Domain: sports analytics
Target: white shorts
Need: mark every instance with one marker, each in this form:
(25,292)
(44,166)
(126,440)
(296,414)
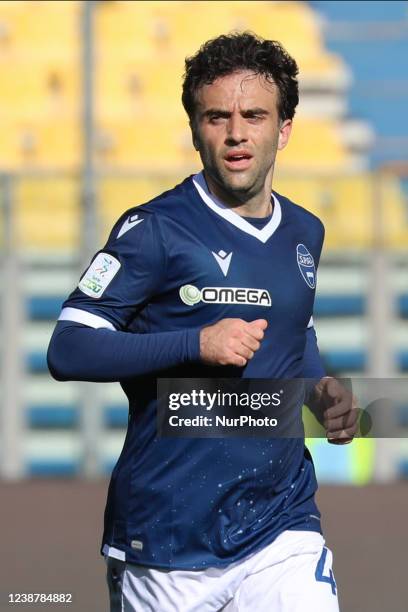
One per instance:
(293,574)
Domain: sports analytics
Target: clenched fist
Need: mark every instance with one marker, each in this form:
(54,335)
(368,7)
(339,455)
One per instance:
(231,341)
(338,410)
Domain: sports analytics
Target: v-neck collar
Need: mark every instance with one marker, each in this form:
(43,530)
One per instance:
(234,218)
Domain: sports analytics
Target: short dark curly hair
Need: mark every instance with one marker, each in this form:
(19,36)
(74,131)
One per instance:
(242,51)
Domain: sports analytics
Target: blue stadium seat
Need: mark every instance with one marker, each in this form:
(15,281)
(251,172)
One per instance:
(116,416)
(53,467)
(52,416)
(344,360)
(403,305)
(403,468)
(108,466)
(43,307)
(403,360)
(37,362)
(339,305)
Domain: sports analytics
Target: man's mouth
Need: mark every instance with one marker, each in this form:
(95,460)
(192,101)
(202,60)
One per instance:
(238,160)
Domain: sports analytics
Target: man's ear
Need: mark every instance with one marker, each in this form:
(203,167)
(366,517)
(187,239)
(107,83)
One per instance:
(194,136)
(284,133)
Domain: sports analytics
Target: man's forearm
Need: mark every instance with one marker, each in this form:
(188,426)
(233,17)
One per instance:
(78,352)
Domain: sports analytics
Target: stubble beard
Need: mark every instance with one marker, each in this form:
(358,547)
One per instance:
(243,189)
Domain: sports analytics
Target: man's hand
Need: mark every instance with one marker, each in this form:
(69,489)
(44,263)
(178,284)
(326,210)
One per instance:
(231,341)
(338,409)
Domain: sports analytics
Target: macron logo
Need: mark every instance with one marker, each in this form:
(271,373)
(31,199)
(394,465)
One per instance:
(223,259)
(128,224)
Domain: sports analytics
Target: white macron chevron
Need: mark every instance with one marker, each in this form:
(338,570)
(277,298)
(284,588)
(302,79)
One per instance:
(223,259)
(128,224)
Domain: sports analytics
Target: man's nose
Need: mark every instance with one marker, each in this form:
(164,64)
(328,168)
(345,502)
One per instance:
(236,130)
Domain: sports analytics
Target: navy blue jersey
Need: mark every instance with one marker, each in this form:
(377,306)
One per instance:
(183,261)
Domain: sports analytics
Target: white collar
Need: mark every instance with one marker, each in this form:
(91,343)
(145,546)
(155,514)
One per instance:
(234,218)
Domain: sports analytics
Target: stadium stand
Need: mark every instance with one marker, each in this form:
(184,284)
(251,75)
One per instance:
(350,207)
(133,85)
(359,31)
(47,214)
(114,191)
(40,84)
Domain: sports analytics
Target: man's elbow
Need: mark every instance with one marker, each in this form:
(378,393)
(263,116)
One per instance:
(58,364)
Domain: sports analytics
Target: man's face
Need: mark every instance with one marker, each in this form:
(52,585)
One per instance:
(237,132)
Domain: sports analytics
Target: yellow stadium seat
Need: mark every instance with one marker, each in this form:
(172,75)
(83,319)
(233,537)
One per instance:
(53,144)
(118,194)
(344,204)
(10,155)
(47,214)
(39,92)
(129,29)
(30,145)
(145,143)
(314,143)
(195,23)
(131,87)
(359,212)
(39,30)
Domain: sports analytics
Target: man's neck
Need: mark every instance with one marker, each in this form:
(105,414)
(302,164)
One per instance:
(260,205)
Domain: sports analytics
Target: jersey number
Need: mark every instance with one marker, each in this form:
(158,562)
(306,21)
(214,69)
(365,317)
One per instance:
(320,577)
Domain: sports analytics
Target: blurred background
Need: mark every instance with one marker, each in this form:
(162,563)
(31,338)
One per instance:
(92,124)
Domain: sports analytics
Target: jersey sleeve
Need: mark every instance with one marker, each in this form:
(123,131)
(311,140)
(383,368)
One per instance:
(79,352)
(312,363)
(122,277)
(91,340)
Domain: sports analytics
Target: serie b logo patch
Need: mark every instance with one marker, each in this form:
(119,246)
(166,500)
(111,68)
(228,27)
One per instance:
(99,274)
(306,265)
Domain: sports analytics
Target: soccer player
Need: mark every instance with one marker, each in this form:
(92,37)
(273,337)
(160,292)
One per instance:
(214,278)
